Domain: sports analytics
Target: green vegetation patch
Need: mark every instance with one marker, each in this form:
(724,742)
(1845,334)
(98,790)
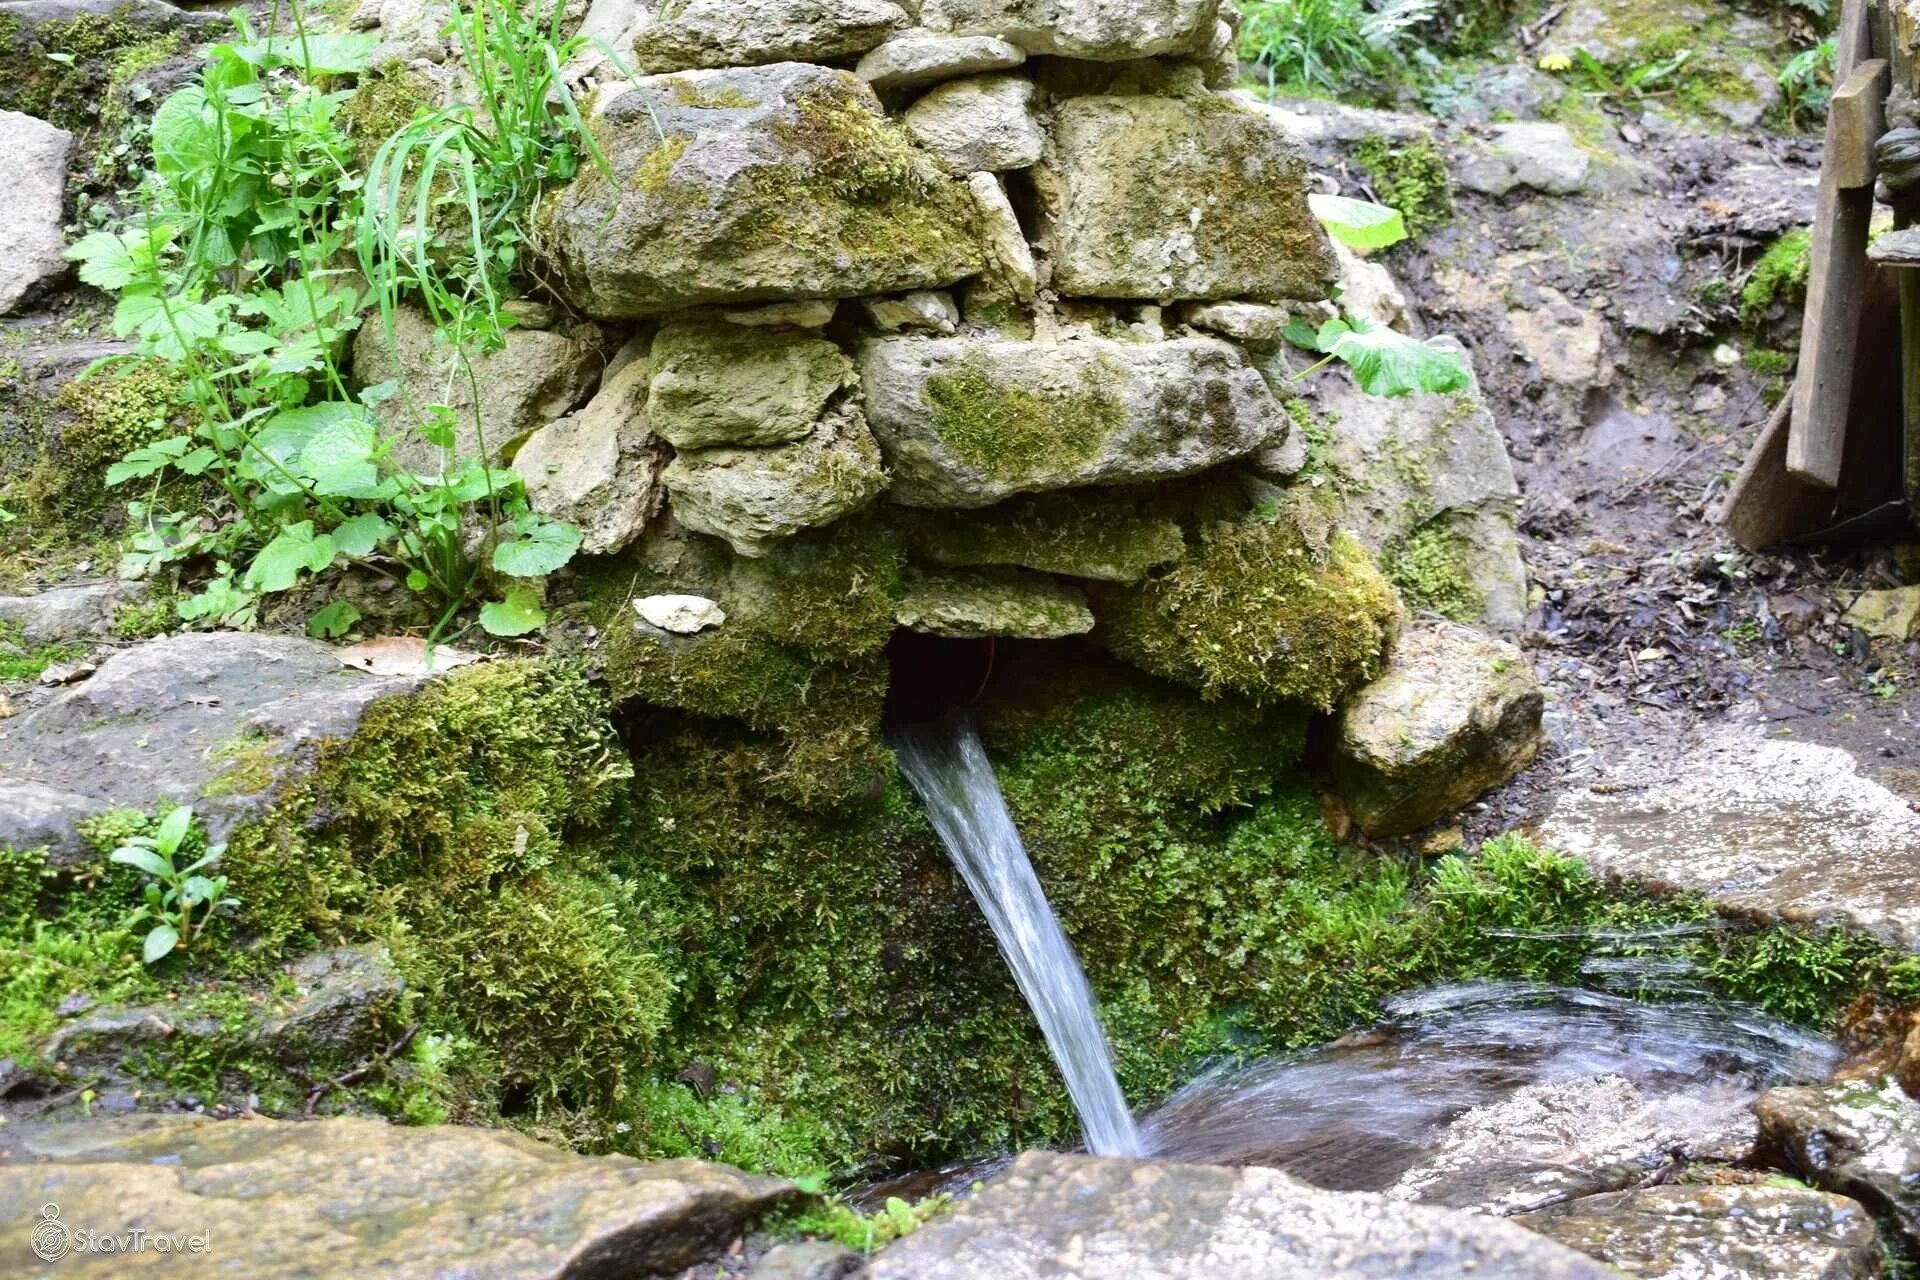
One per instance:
(1109,534)
(1411,177)
(1779,276)
(1010,431)
(1432,567)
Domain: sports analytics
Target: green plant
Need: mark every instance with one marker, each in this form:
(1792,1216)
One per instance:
(1330,45)
(1383,361)
(1656,78)
(834,1219)
(1806,84)
(180,900)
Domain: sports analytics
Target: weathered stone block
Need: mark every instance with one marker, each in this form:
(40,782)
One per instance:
(1097,30)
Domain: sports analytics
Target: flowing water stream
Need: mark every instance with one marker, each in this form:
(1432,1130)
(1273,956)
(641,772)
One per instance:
(949,769)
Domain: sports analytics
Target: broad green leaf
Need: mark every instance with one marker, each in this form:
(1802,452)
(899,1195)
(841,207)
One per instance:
(196,890)
(1301,333)
(333,620)
(186,136)
(294,548)
(161,940)
(1388,363)
(148,459)
(343,439)
(358,536)
(475,482)
(196,461)
(515,615)
(112,262)
(1359,224)
(287,434)
(539,547)
(144,859)
(173,828)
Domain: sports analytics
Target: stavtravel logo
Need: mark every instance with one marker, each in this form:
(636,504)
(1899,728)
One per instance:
(53,1239)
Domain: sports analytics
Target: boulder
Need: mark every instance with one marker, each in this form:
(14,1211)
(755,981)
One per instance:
(1761,826)
(921,57)
(211,719)
(924,310)
(723,385)
(32,248)
(1096,30)
(599,469)
(972,604)
(754,498)
(1427,486)
(1168,198)
(966,422)
(80,611)
(761,184)
(1754,1231)
(350,1197)
(1531,154)
(984,123)
(1071,1216)
(538,376)
(1859,1139)
(685,34)
(1456,714)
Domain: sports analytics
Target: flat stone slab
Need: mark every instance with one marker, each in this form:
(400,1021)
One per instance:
(1761,826)
(1058,1215)
(1858,1138)
(210,719)
(349,1198)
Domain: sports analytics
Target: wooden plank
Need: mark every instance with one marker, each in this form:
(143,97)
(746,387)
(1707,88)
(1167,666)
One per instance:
(1905,20)
(1859,117)
(1766,504)
(1817,429)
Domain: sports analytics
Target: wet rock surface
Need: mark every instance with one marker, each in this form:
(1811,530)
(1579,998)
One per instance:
(1860,1138)
(215,720)
(1072,1216)
(352,1197)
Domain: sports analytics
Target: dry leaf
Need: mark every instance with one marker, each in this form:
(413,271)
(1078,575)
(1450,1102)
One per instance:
(401,656)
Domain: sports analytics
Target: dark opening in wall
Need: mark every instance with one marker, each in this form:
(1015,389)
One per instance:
(933,675)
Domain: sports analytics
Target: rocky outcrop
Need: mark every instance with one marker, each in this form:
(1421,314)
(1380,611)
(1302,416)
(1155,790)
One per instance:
(753,185)
(351,1197)
(32,248)
(214,720)
(1760,826)
(1167,198)
(1083,1216)
(1456,714)
(1859,1138)
(966,422)
(538,376)
(741,33)
(1754,1231)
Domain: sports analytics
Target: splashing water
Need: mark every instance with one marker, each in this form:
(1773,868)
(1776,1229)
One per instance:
(949,769)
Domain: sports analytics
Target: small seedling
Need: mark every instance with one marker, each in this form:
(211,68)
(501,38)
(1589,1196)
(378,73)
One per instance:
(180,900)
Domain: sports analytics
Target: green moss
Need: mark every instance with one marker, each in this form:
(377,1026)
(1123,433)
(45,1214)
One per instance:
(1010,431)
(685,92)
(246,766)
(831,592)
(653,172)
(21,662)
(143,619)
(116,411)
(1767,362)
(1115,535)
(382,104)
(1779,275)
(58,70)
(54,946)
(1432,569)
(1411,177)
(131,62)
(1258,611)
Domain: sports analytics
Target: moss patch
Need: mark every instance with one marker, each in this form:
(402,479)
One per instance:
(1779,276)
(1411,177)
(1114,535)
(1432,569)
(1010,432)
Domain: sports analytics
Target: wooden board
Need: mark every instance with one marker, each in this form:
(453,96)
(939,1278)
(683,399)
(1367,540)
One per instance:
(1817,435)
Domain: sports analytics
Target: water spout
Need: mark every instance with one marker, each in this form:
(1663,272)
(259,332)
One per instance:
(949,768)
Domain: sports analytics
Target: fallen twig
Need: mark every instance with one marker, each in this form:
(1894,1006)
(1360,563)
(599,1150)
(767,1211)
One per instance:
(317,1090)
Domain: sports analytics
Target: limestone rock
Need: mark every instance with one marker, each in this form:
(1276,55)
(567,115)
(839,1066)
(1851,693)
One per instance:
(685,34)
(211,719)
(723,385)
(807,1260)
(772,183)
(1165,198)
(411,31)
(347,1196)
(80,611)
(32,250)
(921,57)
(1105,535)
(966,422)
(814,313)
(1009,256)
(754,498)
(1533,154)
(1757,1231)
(977,603)
(538,376)
(1761,826)
(598,469)
(1567,342)
(1886,615)
(981,123)
(1254,323)
(1860,1139)
(1456,714)
(1073,1216)
(924,309)
(1096,30)
(680,614)
(1430,489)
(1369,289)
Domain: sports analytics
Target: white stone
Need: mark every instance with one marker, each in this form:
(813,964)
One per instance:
(925,310)
(813,313)
(682,615)
(31,247)
(1006,244)
(981,123)
(1254,323)
(1097,30)
(1524,153)
(687,34)
(598,469)
(922,57)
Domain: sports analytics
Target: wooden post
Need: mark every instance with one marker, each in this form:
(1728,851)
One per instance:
(1816,441)
(1905,32)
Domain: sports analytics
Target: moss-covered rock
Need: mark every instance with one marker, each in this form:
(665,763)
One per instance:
(740,33)
(723,384)
(1111,535)
(753,185)
(1259,610)
(974,604)
(70,63)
